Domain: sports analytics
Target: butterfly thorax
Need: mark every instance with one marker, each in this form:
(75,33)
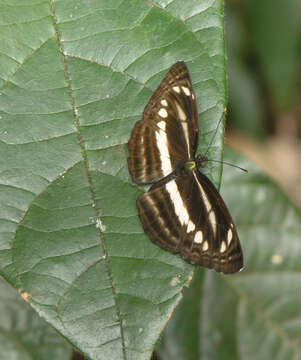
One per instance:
(200,161)
(190,165)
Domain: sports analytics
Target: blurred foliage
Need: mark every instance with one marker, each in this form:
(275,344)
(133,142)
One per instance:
(23,333)
(263,44)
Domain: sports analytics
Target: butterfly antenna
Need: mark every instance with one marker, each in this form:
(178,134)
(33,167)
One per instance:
(226,163)
(211,141)
(215,132)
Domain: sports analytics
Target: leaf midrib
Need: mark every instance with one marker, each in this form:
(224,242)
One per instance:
(89,177)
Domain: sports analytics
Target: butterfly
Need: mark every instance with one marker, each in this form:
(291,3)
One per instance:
(182,212)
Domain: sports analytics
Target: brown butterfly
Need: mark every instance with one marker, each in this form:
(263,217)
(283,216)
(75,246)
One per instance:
(182,212)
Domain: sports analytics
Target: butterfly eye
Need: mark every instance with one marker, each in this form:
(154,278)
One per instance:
(201,160)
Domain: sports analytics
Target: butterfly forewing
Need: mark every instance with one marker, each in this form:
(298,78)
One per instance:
(182,212)
(168,132)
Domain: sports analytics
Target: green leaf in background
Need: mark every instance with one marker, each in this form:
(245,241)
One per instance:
(23,334)
(256,313)
(275,30)
(246,106)
(76,76)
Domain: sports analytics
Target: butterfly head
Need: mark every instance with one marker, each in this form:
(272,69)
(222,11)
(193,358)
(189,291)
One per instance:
(201,160)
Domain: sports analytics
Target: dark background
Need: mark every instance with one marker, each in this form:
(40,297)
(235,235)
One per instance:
(263,41)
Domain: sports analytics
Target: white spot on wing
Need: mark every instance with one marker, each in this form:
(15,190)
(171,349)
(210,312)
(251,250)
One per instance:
(186,90)
(212,219)
(163,113)
(198,238)
(176,89)
(191,226)
(181,113)
(229,236)
(163,102)
(177,202)
(161,139)
(185,130)
(205,246)
(161,125)
(223,246)
(183,117)
(204,196)
(211,214)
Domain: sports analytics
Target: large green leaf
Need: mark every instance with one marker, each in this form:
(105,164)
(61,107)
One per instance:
(23,334)
(256,313)
(76,76)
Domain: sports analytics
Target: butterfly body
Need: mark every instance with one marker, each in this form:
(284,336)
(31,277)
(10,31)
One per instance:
(182,212)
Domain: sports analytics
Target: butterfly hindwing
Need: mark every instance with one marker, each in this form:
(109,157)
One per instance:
(187,215)
(168,132)
(224,250)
